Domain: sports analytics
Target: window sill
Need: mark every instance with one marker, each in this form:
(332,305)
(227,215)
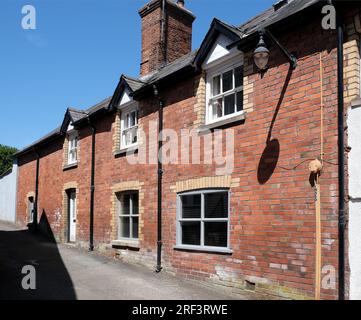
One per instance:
(70,166)
(222,123)
(124,151)
(203,249)
(124,243)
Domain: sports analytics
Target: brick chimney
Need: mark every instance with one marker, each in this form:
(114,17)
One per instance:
(166,34)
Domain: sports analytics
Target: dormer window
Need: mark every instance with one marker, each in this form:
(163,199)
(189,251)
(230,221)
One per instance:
(225,93)
(129,127)
(72,148)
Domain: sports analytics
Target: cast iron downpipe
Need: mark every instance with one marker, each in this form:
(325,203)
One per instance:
(92,188)
(35,213)
(341,161)
(163,34)
(160,177)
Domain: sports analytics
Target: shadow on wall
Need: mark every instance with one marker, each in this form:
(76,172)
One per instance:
(44,227)
(270,156)
(21,248)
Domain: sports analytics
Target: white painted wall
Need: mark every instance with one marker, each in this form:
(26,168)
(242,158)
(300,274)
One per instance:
(354,123)
(8,184)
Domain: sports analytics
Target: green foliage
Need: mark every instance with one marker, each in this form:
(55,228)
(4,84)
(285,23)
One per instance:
(6,160)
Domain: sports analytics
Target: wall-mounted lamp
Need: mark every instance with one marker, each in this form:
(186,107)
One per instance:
(261,54)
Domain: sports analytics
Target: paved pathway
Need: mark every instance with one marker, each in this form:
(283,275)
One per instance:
(63,272)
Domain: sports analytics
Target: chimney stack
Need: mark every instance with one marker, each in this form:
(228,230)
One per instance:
(166,33)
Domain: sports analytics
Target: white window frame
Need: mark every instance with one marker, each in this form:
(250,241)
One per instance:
(132,107)
(131,214)
(73,147)
(202,220)
(213,72)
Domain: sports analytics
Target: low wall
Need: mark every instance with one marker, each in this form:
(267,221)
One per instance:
(8,182)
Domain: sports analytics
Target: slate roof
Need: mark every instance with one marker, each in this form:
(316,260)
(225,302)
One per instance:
(52,134)
(263,20)
(232,28)
(76,114)
(134,84)
(271,16)
(102,104)
(186,60)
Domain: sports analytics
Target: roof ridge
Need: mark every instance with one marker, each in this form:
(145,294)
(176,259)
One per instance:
(76,110)
(228,24)
(132,78)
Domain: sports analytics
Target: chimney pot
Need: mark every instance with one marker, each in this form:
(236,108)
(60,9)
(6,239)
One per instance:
(180,3)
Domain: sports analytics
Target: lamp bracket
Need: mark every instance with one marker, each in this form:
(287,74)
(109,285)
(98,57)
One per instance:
(290,57)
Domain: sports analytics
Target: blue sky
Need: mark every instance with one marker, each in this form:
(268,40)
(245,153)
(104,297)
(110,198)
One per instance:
(76,55)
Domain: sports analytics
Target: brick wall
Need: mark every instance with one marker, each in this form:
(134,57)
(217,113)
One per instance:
(272,211)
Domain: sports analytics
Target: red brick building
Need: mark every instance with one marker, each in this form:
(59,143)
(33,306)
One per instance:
(246,221)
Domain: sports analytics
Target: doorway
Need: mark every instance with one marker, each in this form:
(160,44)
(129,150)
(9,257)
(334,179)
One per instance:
(72,215)
(31,208)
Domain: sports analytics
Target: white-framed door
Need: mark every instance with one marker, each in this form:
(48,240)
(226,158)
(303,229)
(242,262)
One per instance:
(72,216)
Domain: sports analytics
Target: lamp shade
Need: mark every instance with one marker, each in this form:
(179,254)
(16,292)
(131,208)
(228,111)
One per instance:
(261,55)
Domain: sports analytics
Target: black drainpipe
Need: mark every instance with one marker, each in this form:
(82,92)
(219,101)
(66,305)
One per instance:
(160,177)
(34,226)
(92,188)
(341,161)
(163,39)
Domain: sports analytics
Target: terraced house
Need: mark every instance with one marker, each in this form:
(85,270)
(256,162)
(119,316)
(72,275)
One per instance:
(271,215)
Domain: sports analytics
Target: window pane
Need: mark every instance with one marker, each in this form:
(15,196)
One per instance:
(216,205)
(135,227)
(132,119)
(239,101)
(217,109)
(191,206)
(124,227)
(238,76)
(229,104)
(134,138)
(125,209)
(216,86)
(135,204)
(215,234)
(227,81)
(191,233)
(131,136)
